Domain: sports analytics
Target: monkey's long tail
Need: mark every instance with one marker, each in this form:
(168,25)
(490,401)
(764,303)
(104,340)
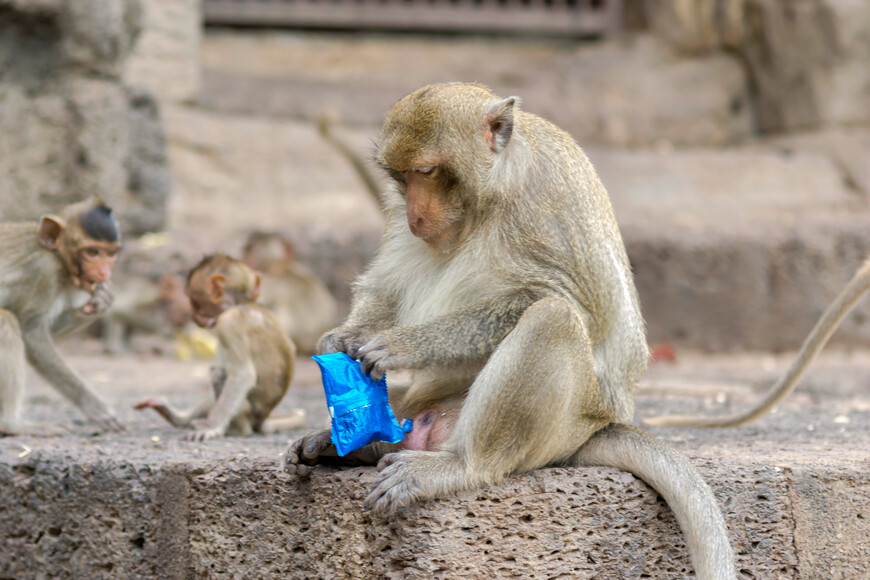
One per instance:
(673,477)
(814,343)
(325,123)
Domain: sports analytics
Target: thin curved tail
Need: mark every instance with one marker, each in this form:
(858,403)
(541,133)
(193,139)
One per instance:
(814,343)
(673,477)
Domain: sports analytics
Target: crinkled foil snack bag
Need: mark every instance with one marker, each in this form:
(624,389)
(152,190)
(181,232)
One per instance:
(359,406)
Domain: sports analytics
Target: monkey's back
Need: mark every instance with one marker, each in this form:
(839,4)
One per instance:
(30,275)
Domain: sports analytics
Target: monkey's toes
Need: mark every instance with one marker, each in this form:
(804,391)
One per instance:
(396,488)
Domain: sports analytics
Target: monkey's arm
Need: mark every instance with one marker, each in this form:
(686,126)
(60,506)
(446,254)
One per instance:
(240,376)
(44,357)
(814,343)
(73,319)
(317,449)
(372,312)
(465,335)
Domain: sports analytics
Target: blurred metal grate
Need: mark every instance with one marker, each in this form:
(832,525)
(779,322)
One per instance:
(563,17)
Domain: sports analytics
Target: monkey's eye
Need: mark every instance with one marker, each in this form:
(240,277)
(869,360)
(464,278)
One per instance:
(113,253)
(425,170)
(396,176)
(92,252)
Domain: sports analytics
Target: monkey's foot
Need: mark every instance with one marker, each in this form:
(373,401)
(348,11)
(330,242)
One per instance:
(33,429)
(102,416)
(408,477)
(203,432)
(304,452)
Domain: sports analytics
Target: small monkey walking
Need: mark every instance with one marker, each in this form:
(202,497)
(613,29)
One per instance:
(53,277)
(503,284)
(257,357)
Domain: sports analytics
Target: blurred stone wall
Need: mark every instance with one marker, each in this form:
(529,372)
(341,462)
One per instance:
(808,60)
(70,127)
(166,56)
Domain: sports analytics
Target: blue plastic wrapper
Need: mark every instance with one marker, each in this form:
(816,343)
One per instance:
(359,406)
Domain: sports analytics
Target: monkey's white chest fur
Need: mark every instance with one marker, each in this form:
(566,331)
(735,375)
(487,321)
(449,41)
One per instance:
(430,286)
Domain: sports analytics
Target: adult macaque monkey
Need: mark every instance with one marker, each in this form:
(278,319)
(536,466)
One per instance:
(256,356)
(53,277)
(503,284)
(814,343)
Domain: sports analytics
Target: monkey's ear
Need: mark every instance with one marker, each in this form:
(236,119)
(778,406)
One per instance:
(50,231)
(216,284)
(255,291)
(500,123)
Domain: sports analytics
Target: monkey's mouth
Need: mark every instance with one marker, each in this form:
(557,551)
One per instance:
(86,284)
(204,322)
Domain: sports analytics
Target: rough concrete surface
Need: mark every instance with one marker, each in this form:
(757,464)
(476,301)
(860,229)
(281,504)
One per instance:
(794,490)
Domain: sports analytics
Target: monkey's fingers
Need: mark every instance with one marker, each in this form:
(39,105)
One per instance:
(396,488)
(110,424)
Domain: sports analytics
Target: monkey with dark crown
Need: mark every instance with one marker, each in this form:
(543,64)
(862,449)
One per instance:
(502,283)
(53,277)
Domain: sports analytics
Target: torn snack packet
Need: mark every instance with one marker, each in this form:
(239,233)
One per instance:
(359,406)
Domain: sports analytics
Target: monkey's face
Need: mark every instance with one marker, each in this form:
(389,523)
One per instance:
(434,215)
(207,299)
(95,262)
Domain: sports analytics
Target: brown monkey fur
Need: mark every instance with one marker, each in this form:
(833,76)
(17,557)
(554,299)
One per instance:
(257,357)
(813,344)
(503,285)
(303,305)
(53,277)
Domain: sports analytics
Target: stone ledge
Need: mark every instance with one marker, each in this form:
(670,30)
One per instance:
(794,490)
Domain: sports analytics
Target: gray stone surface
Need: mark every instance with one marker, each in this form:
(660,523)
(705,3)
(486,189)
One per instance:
(70,127)
(793,488)
(808,60)
(589,89)
(166,56)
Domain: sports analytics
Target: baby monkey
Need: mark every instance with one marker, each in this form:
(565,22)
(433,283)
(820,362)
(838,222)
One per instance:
(256,356)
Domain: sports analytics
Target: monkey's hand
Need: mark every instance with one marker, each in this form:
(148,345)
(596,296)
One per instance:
(346,339)
(202,431)
(383,353)
(97,411)
(305,452)
(100,301)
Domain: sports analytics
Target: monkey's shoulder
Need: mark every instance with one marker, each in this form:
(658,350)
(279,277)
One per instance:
(245,316)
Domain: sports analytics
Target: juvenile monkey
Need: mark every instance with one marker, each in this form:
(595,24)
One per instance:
(813,344)
(502,283)
(300,301)
(256,356)
(53,277)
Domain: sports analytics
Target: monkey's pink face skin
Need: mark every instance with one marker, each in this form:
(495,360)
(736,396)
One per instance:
(96,261)
(430,217)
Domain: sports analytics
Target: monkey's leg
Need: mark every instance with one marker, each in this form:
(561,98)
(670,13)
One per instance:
(292,420)
(175,416)
(534,403)
(12,361)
